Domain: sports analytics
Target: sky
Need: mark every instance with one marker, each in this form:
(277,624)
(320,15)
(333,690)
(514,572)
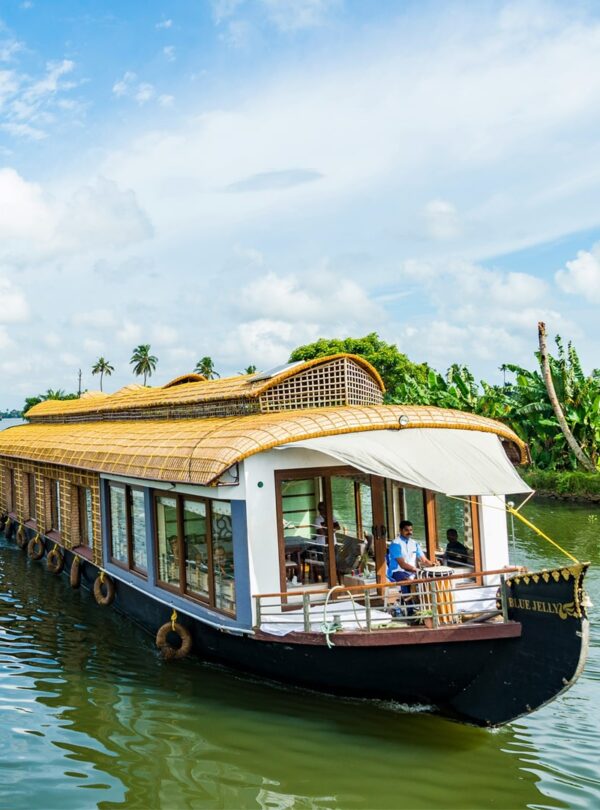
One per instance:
(238,177)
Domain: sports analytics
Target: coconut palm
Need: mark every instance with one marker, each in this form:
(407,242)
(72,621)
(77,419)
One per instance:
(206,367)
(102,367)
(143,362)
(249,370)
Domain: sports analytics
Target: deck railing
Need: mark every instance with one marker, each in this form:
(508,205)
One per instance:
(431,602)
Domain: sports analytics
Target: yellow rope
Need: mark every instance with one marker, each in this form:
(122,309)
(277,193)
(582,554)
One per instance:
(512,511)
(173,619)
(101,577)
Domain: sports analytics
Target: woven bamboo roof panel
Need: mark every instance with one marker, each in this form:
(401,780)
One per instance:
(341,379)
(198,451)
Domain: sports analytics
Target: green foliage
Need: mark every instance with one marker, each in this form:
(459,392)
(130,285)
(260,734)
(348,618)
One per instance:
(206,367)
(393,366)
(575,484)
(102,367)
(143,362)
(50,394)
(522,404)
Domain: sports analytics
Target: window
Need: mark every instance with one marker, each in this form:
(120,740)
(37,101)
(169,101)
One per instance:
(194,540)
(128,527)
(86,530)
(414,510)
(55,522)
(455,530)
(11,497)
(168,541)
(30,491)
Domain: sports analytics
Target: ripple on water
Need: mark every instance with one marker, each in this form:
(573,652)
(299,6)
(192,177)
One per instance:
(91,717)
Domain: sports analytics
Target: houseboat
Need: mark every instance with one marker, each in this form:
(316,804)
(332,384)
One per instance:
(247,520)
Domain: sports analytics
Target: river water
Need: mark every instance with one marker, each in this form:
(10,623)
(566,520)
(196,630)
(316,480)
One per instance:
(91,717)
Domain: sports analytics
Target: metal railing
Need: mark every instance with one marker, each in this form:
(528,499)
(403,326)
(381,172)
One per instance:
(426,602)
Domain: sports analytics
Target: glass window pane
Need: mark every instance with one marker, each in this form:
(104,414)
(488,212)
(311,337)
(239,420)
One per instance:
(366,508)
(118,524)
(55,505)
(31,495)
(88,517)
(414,510)
(299,508)
(196,547)
(138,528)
(222,555)
(168,549)
(344,504)
(454,530)
(84,500)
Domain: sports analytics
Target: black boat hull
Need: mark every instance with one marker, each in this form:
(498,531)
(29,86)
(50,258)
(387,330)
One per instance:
(487,674)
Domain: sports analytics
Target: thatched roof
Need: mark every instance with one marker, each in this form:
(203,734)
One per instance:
(180,396)
(198,451)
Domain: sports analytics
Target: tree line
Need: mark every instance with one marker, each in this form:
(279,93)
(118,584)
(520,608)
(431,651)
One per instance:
(522,401)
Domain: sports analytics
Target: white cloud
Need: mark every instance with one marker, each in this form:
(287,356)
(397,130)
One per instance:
(14,307)
(129,333)
(223,9)
(266,342)
(144,93)
(164,24)
(9,48)
(166,100)
(293,15)
(96,318)
(24,209)
(51,339)
(582,275)
(102,215)
(169,53)
(322,297)
(123,86)
(164,335)
(93,346)
(441,219)
(5,340)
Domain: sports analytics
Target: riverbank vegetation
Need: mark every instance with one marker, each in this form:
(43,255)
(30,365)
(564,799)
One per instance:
(521,401)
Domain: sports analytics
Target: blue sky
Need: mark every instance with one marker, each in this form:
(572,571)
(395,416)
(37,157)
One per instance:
(237,177)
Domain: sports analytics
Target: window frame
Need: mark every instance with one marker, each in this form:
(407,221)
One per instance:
(130,564)
(182,588)
(378,490)
(30,487)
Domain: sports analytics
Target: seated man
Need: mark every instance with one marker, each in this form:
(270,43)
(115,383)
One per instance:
(405,555)
(321,525)
(455,550)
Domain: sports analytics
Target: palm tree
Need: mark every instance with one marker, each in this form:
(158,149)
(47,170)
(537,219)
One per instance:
(206,367)
(249,370)
(143,362)
(102,367)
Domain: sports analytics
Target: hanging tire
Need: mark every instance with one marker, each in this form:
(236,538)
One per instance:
(55,561)
(104,591)
(21,537)
(8,528)
(36,548)
(169,650)
(75,575)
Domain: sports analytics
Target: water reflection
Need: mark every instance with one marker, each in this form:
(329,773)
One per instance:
(92,717)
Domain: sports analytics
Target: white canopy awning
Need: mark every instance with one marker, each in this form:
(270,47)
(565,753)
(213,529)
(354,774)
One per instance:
(454,462)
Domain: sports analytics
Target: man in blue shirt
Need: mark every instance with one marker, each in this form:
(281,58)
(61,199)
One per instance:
(405,555)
